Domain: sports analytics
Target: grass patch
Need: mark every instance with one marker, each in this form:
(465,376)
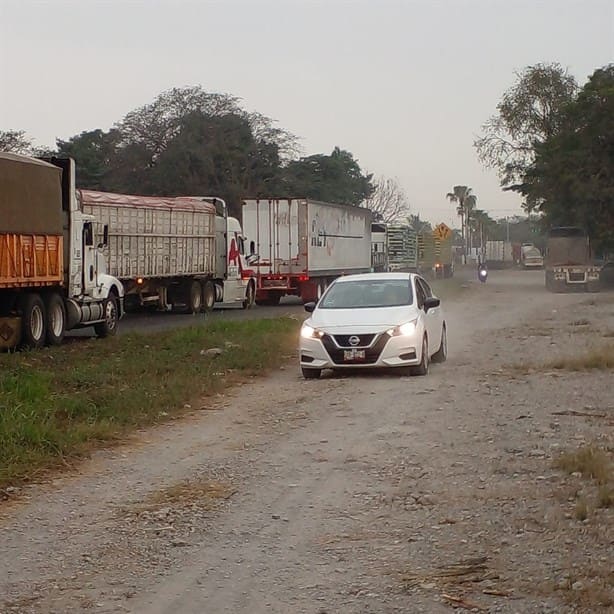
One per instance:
(601,358)
(590,461)
(58,404)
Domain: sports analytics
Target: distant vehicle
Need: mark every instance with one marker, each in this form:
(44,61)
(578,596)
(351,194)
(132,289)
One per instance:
(377,320)
(297,246)
(435,256)
(402,245)
(531,257)
(482,273)
(379,247)
(569,261)
(499,254)
(53,274)
(182,253)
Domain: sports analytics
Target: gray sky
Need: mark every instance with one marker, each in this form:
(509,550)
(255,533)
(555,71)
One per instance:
(403,85)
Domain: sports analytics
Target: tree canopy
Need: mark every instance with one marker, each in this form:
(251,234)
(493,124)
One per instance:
(191,142)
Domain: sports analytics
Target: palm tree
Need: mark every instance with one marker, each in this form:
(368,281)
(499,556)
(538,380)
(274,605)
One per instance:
(466,203)
(481,223)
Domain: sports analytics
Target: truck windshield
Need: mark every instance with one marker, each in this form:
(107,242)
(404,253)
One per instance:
(367,293)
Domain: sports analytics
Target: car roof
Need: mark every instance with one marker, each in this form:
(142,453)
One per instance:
(375,277)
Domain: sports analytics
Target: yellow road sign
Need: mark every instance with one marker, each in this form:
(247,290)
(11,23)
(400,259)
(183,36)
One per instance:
(442,232)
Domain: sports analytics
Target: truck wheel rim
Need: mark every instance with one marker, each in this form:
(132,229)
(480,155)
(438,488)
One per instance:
(56,318)
(37,323)
(110,315)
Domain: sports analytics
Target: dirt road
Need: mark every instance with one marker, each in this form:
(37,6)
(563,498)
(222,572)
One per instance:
(358,494)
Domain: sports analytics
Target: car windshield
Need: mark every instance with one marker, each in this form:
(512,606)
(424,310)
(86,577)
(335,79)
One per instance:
(367,293)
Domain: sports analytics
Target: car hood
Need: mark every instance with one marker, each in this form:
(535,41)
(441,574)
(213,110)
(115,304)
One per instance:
(361,320)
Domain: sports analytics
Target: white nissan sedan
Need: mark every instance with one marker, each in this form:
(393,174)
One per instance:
(374,320)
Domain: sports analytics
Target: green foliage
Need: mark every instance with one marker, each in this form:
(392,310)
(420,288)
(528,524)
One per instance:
(571,180)
(528,113)
(191,142)
(15,141)
(336,178)
(59,403)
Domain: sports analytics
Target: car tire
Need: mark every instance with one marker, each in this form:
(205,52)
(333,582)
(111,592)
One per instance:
(423,367)
(311,373)
(442,353)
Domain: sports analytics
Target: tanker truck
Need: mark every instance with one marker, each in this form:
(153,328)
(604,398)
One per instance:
(53,275)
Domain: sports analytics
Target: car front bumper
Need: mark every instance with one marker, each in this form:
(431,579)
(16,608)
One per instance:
(384,352)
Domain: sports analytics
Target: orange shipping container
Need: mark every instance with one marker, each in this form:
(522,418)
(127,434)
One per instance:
(31,260)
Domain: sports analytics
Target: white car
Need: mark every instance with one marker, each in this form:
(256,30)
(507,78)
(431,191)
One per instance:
(374,320)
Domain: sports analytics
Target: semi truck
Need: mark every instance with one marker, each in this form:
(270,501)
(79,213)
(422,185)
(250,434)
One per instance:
(299,246)
(531,257)
(53,274)
(181,254)
(402,246)
(569,261)
(499,254)
(435,256)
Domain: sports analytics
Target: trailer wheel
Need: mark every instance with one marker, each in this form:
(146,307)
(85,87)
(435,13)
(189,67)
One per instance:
(56,318)
(195,298)
(208,296)
(33,321)
(108,328)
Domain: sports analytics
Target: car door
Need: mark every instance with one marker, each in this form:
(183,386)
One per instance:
(433,318)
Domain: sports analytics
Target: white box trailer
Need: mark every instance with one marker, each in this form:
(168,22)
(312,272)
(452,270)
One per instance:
(298,246)
(181,253)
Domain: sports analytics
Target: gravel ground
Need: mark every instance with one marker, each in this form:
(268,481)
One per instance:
(358,494)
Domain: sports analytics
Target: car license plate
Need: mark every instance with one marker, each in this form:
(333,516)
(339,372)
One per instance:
(353,354)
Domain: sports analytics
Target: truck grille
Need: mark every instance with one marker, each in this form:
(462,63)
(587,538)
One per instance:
(371,354)
(577,277)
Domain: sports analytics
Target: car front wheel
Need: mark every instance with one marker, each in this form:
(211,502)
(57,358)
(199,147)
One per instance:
(423,367)
(442,352)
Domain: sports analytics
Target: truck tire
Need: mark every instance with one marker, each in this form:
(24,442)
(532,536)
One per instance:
(108,328)
(32,321)
(250,296)
(208,297)
(194,301)
(56,318)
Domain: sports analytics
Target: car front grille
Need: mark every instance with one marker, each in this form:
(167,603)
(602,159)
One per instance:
(371,353)
(344,340)
(576,277)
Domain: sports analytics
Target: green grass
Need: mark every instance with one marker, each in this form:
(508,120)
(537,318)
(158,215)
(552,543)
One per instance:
(58,404)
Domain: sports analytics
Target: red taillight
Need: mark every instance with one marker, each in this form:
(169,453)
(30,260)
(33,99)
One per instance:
(247,274)
(303,278)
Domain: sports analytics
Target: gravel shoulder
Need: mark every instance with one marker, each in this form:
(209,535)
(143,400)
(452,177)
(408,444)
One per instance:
(365,493)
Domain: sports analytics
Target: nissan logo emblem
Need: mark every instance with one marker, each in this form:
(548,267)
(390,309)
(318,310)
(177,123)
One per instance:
(354,340)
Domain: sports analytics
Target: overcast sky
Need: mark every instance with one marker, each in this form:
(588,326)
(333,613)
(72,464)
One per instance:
(403,85)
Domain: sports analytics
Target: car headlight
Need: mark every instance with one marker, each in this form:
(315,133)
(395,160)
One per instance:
(308,332)
(403,330)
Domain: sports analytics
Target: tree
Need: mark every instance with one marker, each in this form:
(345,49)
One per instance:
(570,179)
(336,178)
(388,202)
(466,203)
(15,141)
(529,113)
(417,224)
(95,152)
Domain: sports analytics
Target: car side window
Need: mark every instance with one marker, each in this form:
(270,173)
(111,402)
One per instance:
(420,295)
(425,287)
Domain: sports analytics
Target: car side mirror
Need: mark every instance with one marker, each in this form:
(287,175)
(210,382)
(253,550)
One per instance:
(309,307)
(431,303)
